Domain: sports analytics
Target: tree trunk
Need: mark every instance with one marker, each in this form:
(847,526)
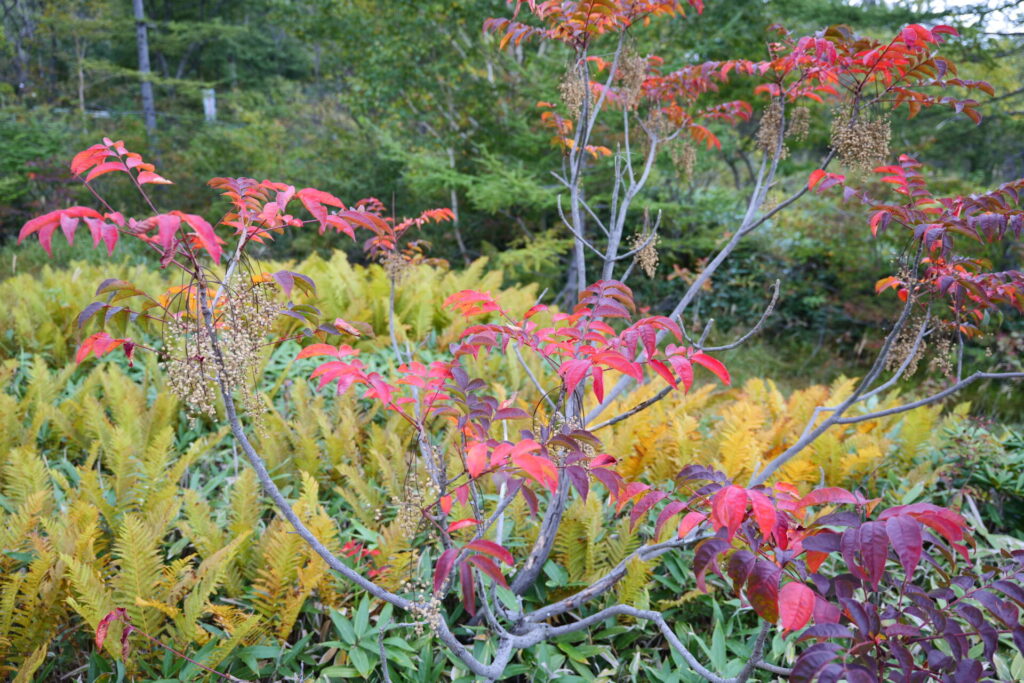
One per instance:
(454,198)
(142,43)
(80,68)
(20,35)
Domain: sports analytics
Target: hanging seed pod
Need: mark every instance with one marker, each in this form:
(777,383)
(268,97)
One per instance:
(632,71)
(860,142)
(799,124)
(768,131)
(573,90)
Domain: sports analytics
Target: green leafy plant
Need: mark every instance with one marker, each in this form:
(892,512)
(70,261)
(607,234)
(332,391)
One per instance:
(469,454)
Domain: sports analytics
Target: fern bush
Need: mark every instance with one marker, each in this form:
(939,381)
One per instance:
(110,495)
(50,299)
(102,509)
(741,429)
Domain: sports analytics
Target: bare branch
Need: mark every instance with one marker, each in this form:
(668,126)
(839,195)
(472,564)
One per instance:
(811,433)
(578,236)
(533,377)
(938,396)
(756,328)
(639,407)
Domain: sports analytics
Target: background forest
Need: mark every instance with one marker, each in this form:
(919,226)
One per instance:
(411,103)
(408,101)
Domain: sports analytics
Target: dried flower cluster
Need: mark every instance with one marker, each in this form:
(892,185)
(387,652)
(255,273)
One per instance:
(416,496)
(658,127)
(573,90)
(770,129)
(430,611)
(684,157)
(646,244)
(861,141)
(904,346)
(396,266)
(242,320)
(632,72)
(799,124)
(942,353)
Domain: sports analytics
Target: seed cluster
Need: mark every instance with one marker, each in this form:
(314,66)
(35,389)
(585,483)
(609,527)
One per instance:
(410,505)
(657,126)
(632,71)
(768,131)
(860,141)
(573,91)
(430,611)
(942,354)
(647,256)
(396,266)
(799,124)
(904,346)
(243,318)
(684,157)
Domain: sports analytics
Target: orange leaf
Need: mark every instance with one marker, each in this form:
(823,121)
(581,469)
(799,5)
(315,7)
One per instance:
(815,178)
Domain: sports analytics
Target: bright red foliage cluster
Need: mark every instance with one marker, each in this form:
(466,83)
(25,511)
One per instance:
(577,22)
(937,223)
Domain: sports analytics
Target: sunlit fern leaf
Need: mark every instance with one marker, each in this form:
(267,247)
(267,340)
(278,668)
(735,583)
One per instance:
(137,549)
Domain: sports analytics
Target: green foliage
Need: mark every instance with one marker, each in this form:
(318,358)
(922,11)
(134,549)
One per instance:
(113,505)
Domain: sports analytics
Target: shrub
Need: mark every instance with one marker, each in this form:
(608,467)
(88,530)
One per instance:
(469,454)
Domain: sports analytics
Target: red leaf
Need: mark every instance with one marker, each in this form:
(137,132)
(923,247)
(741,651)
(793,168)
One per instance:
(488,567)
(167,226)
(539,468)
(106,167)
(314,200)
(905,535)
(88,158)
(67,226)
(573,372)
(689,521)
(152,178)
(326,350)
(796,604)
(476,459)
(663,370)
(472,303)
(764,512)
(815,178)
(949,524)
(493,549)
(204,233)
(683,368)
(643,505)
(444,567)
(825,612)
(713,365)
(728,508)
(44,226)
(462,524)
(534,310)
(830,495)
(705,555)
(99,344)
(118,614)
(468,595)
(616,361)
(667,513)
(763,590)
